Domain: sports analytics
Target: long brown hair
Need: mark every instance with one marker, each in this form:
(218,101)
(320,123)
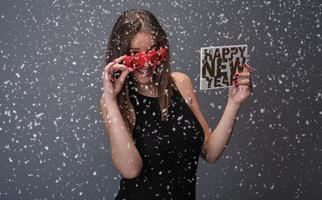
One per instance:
(127,25)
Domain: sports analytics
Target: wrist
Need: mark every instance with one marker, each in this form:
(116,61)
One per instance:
(110,102)
(232,104)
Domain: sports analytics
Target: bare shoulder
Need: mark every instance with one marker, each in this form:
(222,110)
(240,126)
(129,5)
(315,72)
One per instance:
(180,77)
(184,84)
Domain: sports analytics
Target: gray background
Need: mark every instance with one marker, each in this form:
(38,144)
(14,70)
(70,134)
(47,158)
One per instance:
(53,142)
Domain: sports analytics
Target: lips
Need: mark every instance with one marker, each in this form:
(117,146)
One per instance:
(146,71)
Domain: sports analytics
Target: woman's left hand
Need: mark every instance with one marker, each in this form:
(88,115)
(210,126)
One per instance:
(242,87)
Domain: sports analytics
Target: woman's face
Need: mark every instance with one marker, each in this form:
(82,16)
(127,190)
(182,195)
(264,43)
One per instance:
(141,42)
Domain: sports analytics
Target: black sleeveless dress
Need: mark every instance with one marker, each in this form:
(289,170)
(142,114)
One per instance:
(169,149)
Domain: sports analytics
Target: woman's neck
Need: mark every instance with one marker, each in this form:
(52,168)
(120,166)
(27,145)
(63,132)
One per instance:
(149,89)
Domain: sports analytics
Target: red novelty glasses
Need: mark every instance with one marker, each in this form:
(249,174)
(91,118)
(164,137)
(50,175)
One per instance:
(138,60)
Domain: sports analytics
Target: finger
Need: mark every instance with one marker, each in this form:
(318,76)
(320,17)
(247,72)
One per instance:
(112,65)
(123,75)
(117,67)
(245,69)
(119,59)
(249,67)
(241,82)
(115,61)
(107,76)
(242,74)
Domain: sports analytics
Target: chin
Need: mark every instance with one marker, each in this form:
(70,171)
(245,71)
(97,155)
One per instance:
(143,79)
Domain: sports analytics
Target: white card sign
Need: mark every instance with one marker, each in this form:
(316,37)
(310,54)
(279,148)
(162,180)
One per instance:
(219,64)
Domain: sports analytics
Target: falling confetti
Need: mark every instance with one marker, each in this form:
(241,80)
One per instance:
(53,140)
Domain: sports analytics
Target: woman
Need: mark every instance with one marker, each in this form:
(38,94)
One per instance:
(152,116)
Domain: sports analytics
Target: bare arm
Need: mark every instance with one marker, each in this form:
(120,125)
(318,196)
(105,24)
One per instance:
(237,95)
(124,153)
(215,139)
(220,136)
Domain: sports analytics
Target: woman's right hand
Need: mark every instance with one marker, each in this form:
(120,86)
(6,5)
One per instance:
(112,85)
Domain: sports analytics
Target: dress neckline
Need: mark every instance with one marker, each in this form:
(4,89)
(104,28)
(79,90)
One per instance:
(144,95)
(175,89)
